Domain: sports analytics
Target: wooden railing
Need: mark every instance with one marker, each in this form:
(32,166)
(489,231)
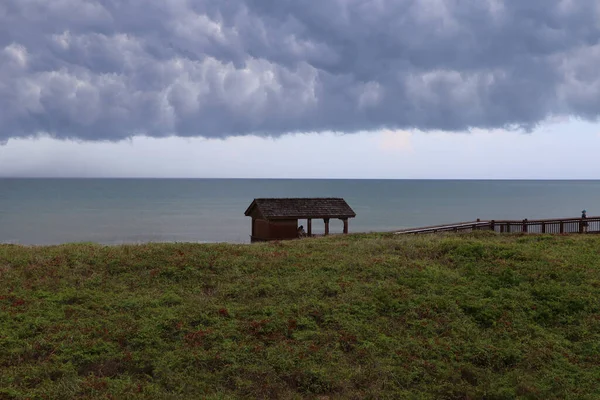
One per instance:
(461,226)
(563,225)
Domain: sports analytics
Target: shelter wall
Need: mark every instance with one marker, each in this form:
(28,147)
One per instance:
(279,229)
(284,229)
(261,228)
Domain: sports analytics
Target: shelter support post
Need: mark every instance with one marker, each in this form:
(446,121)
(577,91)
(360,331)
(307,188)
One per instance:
(345,226)
(309,227)
(326,220)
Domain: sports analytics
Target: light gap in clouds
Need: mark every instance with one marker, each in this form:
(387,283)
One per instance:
(558,150)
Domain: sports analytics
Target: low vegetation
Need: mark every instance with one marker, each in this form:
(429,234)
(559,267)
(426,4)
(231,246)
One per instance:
(468,316)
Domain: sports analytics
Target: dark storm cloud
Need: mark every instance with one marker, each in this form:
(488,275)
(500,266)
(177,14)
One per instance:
(110,69)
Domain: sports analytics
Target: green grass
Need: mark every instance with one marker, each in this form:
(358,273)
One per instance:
(470,316)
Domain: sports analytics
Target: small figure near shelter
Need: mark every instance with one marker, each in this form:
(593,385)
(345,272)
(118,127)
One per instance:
(301,232)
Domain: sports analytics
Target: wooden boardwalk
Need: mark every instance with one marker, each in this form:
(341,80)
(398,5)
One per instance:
(557,226)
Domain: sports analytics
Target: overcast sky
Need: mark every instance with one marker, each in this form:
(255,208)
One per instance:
(293,88)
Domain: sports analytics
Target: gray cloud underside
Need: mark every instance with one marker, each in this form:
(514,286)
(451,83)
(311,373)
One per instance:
(110,69)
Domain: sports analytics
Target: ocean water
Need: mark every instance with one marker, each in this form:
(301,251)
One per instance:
(112,211)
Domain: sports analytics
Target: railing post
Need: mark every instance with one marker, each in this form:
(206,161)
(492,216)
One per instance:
(501,228)
(525,225)
(543,227)
(562,227)
(493,225)
(581,226)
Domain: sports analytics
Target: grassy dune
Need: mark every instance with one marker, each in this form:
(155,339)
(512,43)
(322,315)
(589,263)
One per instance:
(473,316)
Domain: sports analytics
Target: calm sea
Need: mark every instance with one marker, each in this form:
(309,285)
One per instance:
(110,211)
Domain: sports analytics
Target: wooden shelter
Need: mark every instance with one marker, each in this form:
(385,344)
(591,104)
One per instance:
(277,219)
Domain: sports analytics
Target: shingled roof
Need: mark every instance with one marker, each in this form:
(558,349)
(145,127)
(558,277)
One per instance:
(301,208)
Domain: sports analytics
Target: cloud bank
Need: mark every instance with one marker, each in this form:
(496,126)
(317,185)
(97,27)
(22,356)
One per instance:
(112,69)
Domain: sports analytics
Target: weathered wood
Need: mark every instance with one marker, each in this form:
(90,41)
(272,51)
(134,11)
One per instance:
(280,216)
(345,225)
(465,226)
(326,220)
(309,227)
(565,225)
